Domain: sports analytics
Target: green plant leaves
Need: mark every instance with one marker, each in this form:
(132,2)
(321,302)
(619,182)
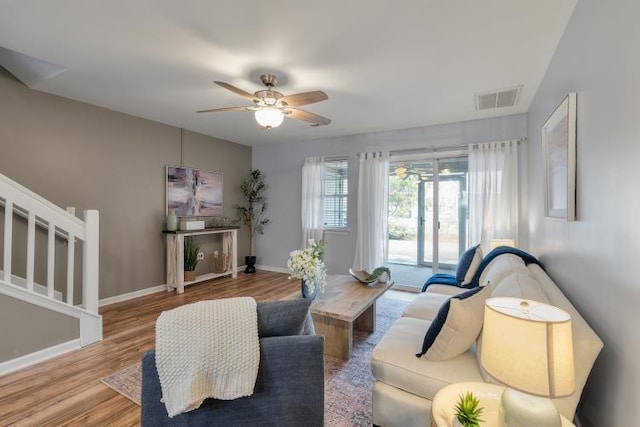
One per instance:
(468,411)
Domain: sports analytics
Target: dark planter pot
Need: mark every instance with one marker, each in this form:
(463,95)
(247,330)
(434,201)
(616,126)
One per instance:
(250,262)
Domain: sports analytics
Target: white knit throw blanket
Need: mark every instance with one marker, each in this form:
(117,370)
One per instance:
(207,349)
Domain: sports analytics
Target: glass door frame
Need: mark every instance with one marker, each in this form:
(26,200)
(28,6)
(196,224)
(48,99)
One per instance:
(421,260)
(463,212)
(435,158)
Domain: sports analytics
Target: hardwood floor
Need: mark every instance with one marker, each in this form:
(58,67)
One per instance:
(67,391)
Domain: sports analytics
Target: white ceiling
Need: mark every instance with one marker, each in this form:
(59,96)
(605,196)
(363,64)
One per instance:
(384,64)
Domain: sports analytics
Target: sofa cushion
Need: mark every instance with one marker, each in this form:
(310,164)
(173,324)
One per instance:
(500,267)
(519,285)
(445,289)
(393,361)
(281,318)
(426,305)
(456,326)
(468,265)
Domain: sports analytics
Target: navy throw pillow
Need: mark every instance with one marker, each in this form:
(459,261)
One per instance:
(468,264)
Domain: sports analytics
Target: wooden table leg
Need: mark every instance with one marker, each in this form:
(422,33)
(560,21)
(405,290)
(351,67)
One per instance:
(338,335)
(367,320)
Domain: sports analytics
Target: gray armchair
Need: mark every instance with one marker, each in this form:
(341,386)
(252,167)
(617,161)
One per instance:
(289,389)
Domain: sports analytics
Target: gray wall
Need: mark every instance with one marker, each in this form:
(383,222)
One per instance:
(595,259)
(282,166)
(35,328)
(77,154)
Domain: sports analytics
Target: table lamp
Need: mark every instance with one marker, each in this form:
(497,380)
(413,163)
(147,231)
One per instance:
(494,243)
(527,345)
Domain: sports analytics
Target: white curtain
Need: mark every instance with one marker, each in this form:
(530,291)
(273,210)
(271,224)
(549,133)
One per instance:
(373,196)
(312,199)
(493,192)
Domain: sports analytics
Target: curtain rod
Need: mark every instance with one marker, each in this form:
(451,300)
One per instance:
(428,150)
(517,140)
(341,157)
(448,148)
(425,150)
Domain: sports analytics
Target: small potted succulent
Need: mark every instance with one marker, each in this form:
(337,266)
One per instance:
(191,259)
(467,411)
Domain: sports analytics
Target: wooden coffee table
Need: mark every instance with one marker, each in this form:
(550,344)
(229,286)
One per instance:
(344,304)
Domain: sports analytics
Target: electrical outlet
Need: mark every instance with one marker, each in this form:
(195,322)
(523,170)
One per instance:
(200,256)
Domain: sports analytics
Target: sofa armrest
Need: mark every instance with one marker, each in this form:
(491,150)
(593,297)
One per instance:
(289,390)
(440,279)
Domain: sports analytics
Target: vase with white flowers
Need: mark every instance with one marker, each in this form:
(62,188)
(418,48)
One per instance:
(308,266)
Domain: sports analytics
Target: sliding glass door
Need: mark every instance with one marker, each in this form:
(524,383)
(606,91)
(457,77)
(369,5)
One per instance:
(428,213)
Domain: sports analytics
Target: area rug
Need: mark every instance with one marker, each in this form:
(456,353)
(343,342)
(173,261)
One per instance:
(348,384)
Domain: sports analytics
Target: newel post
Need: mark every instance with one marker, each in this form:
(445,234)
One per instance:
(91,261)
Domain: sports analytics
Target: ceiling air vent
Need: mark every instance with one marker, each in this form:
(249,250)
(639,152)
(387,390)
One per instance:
(507,97)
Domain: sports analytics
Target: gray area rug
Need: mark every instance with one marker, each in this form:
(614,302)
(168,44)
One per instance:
(348,384)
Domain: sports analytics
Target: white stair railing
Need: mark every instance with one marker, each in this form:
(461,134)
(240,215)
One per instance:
(58,224)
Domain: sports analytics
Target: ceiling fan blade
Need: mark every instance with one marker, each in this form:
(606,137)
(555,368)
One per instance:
(316,119)
(238,91)
(303,98)
(217,110)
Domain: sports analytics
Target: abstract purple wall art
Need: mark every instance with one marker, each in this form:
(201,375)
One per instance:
(194,192)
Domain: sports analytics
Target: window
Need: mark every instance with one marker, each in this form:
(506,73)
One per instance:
(335,194)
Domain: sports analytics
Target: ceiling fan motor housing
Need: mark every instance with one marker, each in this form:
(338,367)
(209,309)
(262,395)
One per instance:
(267,97)
(269,80)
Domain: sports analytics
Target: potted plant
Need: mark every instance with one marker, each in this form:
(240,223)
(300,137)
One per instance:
(191,250)
(252,213)
(467,411)
(383,274)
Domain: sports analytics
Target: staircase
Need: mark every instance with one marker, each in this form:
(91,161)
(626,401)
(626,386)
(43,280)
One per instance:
(47,222)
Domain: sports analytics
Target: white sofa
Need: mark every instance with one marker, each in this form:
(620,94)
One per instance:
(405,384)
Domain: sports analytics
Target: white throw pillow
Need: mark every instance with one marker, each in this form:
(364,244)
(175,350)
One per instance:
(456,327)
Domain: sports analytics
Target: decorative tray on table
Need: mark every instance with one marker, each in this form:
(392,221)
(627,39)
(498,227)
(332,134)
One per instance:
(380,274)
(362,276)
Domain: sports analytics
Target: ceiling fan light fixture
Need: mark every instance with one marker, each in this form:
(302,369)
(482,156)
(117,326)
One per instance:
(270,106)
(269,118)
(401,171)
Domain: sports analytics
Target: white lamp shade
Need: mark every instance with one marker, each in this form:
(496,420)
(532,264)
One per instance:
(269,117)
(501,242)
(528,346)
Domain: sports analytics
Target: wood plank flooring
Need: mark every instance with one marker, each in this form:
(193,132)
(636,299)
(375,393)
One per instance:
(66,391)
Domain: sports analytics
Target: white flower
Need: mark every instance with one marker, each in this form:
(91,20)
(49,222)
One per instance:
(307,265)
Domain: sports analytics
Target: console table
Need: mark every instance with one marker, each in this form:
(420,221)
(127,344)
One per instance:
(175,256)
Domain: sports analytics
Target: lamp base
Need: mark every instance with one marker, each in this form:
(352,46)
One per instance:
(524,410)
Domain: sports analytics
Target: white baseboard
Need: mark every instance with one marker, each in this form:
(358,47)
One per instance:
(38,356)
(148,291)
(274,269)
(131,295)
(405,288)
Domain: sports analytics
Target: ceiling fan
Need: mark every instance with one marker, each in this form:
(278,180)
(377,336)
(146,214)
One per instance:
(270,106)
